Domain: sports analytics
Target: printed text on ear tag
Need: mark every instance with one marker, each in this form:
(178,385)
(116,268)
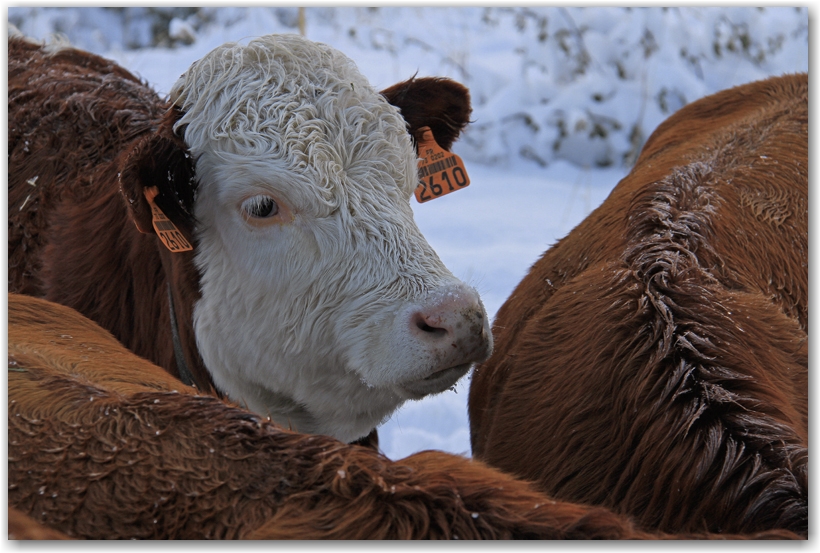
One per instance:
(440,171)
(166,230)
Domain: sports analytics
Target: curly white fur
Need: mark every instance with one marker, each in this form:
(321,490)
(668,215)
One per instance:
(310,320)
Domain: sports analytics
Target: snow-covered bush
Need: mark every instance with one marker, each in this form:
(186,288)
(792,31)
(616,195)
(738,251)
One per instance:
(589,84)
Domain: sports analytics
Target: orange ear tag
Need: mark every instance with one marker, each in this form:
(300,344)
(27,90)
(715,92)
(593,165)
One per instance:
(440,171)
(166,230)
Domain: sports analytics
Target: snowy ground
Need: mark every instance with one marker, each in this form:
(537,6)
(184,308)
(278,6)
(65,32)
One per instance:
(563,99)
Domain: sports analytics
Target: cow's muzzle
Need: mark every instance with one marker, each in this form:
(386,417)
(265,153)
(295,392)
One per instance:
(452,330)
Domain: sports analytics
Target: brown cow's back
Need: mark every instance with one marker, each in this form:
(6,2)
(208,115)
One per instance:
(654,361)
(102,444)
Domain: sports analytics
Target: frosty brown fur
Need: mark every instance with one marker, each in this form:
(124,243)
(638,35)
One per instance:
(104,444)
(654,361)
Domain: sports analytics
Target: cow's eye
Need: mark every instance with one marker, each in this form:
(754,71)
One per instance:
(260,207)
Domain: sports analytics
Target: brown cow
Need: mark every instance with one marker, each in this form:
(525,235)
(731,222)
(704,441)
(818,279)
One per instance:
(309,294)
(104,444)
(654,361)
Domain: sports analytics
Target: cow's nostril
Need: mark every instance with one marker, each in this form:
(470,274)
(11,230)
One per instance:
(423,325)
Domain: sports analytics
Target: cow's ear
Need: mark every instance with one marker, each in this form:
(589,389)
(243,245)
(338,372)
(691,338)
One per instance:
(162,161)
(438,103)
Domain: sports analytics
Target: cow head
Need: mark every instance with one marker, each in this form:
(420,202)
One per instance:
(320,302)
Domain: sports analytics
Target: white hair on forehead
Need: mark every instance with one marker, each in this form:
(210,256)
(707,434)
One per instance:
(286,99)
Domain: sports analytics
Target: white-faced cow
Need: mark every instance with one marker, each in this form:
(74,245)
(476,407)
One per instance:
(655,361)
(309,294)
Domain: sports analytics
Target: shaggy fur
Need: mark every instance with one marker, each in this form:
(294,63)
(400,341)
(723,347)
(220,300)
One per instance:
(328,314)
(104,444)
(654,361)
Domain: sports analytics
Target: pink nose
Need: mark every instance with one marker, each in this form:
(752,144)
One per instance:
(460,324)
(452,327)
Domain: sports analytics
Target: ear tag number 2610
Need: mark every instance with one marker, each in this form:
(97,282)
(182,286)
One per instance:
(440,171)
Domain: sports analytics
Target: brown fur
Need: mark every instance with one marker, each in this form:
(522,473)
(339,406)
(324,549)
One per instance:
(654,361)
(104,444)
(23,527)
(94,137)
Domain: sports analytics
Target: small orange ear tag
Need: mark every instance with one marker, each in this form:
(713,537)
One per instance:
(166,230)
(440,171)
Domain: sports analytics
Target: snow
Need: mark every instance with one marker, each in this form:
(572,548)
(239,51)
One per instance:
(563,99)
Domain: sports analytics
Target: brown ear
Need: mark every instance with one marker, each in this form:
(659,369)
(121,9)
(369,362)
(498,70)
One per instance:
(438,103)
(160,160)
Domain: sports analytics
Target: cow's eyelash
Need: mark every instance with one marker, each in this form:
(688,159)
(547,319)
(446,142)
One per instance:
(260,207)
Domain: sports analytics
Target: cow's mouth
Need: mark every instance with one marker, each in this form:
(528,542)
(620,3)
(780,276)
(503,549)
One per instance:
(437,382)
